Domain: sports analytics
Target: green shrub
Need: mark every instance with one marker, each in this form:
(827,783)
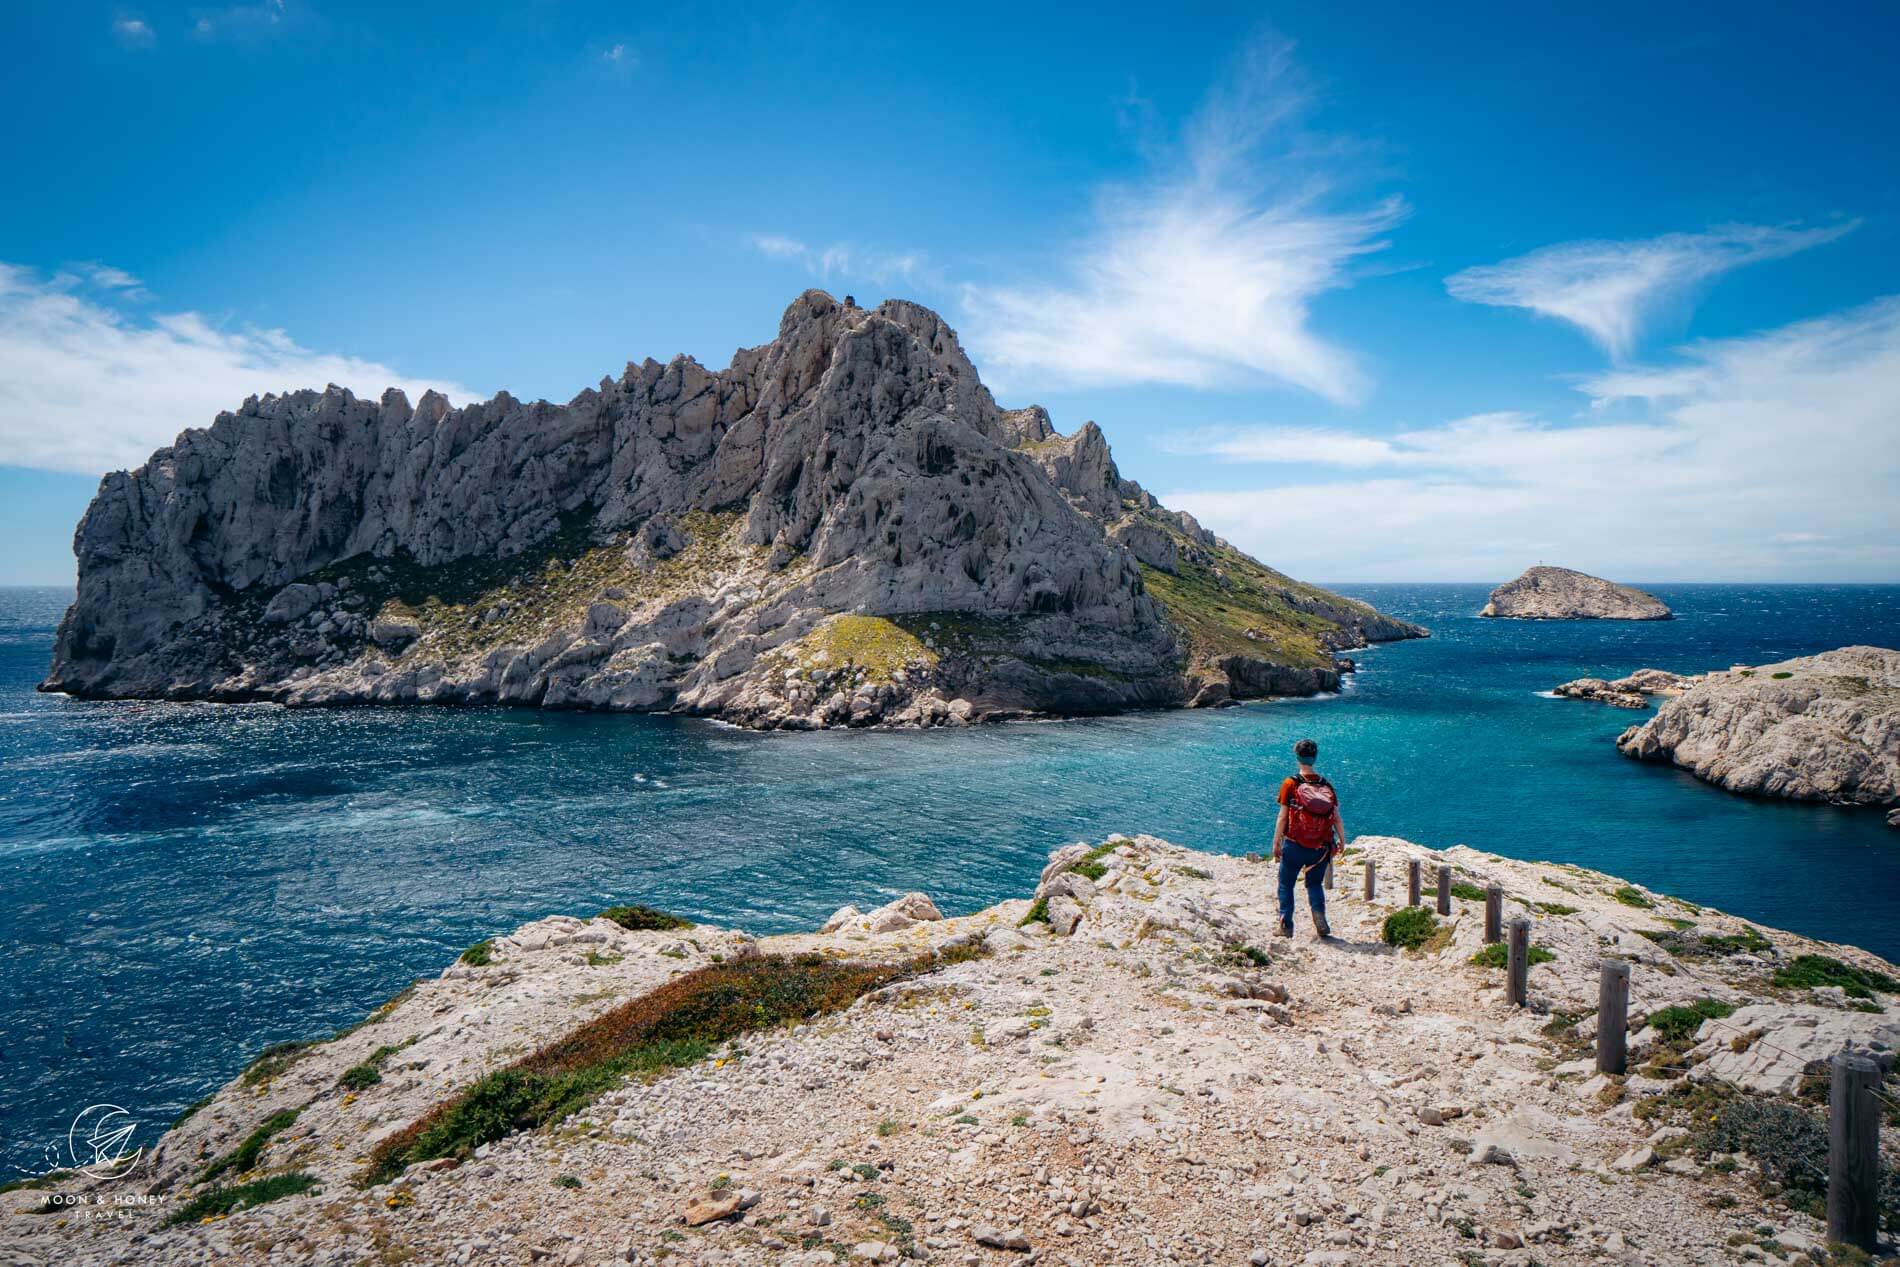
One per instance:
(370,1072)
(1038,913)
(220,1201)
(1411,927)
(1555,908)
(1779,676)
(1469,892)
(643,918)
(244,1156)
(1813,971)
(1498,955)
(1629,895)
(1681,1022)
(480,955)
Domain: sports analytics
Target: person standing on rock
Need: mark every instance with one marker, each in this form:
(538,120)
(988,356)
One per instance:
(1306,836)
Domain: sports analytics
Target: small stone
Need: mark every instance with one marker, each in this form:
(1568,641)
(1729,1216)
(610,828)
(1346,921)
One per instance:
(711,1209)
(1635,1159)
(989,1234)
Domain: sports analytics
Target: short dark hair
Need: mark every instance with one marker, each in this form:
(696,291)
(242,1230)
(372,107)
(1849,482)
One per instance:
(1306,750)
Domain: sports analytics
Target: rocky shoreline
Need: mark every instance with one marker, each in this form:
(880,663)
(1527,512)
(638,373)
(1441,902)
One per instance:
(1127,1066)
(841,528)
(1632,691)
(1816,728)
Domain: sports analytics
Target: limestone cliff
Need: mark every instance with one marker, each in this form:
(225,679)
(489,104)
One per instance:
(1549,593)
(1817,728)
(841,527)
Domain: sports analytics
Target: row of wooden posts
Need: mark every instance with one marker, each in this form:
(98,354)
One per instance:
(1853,1115)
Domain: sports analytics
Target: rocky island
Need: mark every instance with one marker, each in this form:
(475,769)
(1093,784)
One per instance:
(1816,728)
(1551,593)
(1128,1066)
(840,528)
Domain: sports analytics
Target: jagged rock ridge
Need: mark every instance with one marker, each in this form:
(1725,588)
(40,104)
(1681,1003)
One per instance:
(1552,593)
(842,527)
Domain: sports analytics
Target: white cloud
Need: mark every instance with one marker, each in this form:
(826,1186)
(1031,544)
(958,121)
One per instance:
(87,386)
(843,260)
(133,32)
(1769,457)
(619,58)
(1202,275)
(1608,289)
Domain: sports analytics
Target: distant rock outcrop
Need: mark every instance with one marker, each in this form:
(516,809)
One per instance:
(1633,691)
(1819,728)
(1548,593)
(841,528)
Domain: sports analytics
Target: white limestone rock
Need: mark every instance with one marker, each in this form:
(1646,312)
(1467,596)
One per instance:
(1822,727)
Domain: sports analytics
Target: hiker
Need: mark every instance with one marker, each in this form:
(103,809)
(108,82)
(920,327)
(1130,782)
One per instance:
(1306,836)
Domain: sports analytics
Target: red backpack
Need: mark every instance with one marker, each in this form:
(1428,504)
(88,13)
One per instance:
(1310,811)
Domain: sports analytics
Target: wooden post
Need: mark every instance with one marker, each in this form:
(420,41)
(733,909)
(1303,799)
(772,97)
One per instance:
(1411,882)
(1517,980)
(1613,1016)
(1853,1152)
(1444,890)
(1371,884)
(1493,913)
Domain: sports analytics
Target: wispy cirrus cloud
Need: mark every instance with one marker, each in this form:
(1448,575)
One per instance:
(1608,289)
(845,260)
(1203,274)
(90,384)
(1762,457)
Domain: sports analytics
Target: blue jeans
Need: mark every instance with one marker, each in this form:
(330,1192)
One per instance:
(1292,858)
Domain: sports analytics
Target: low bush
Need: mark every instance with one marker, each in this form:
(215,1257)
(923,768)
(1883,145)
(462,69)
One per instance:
(1469,892)
(1411,927)
(1630,895)
(244,1156)
(220,1201)
(480,955)
(1814,971)
(1680,1022)
(1038,913)
(1498,955)
(638,918)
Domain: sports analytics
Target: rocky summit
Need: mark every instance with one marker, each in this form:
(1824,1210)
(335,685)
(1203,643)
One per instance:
(1550,593)
(840,528)
(1816,728)
(1128,1066)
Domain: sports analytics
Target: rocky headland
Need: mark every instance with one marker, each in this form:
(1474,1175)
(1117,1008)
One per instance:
(1633,691)
(840,528)
(1128,1066)
(1816,728)
(1551,593)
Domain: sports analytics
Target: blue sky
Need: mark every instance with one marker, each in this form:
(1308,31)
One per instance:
(1378,293)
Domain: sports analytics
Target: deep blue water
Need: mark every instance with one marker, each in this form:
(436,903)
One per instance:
(183,884)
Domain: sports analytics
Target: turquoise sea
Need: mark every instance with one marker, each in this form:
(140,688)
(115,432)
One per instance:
(181,885)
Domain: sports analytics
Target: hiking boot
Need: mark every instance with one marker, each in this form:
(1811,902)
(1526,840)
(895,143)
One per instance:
(1286,926)
(1321,927)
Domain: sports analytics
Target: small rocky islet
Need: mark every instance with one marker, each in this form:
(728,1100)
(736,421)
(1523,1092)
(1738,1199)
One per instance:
(1554,593)
(1127,1066)
(840,528)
